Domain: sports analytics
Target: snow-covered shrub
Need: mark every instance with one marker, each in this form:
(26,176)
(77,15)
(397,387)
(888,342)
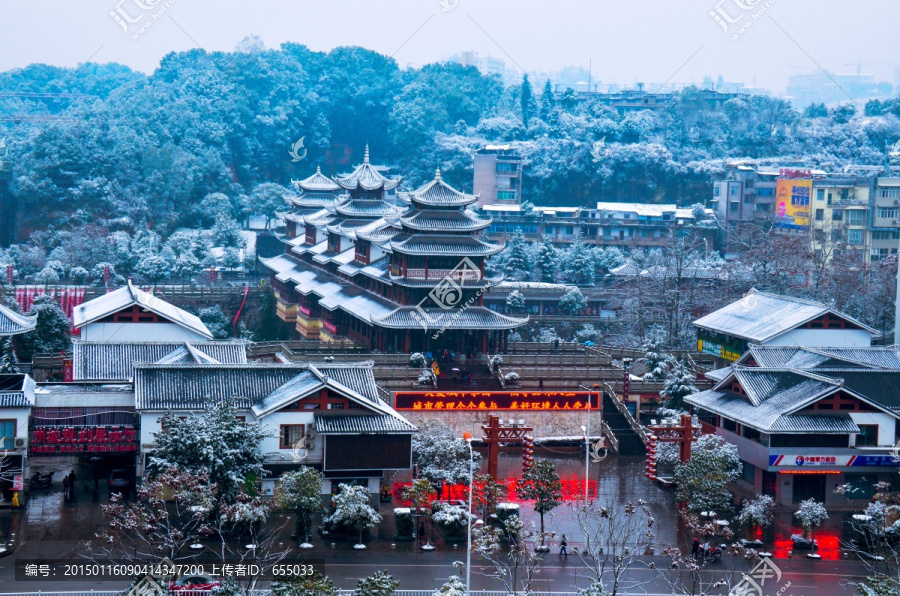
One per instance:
(511,377)
(451,520)
(46,276)
(426,377)
(79,274)
(352,509)
(757,513)
(515,336)
(507,510)
(454,586)
(596,588)
(810,514)
(404,522)
(417,360)
(381,583)
(496,360)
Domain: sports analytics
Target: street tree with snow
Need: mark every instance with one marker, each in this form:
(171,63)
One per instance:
(678,385)
(703,480)
(352,509)
(441,457)
(541,483)
(300,491)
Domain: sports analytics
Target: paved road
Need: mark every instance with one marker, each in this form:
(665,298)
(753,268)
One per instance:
(420,570)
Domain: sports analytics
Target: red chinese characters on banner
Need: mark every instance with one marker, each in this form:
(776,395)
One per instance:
(543,401)
(83,439)
(572,490)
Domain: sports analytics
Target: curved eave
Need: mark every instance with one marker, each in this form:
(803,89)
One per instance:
(429,319)
(436,226)
(399,280)
(485,250)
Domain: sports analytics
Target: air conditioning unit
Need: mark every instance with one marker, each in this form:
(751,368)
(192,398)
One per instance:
(21,442)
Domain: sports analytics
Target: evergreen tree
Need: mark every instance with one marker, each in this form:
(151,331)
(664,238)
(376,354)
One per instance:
(381,583)
(51,332)
(580,266)
(679,384)
(301,492)
(215,320)
(547,261)
(703,480)
(573,302)
(215,442)
(526,100)
(515,301)
(548,103)
(655,361)
(541,483)
(9,362)
(517,266)
(352,509)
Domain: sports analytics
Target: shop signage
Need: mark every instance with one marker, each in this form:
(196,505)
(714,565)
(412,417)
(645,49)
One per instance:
(830,461)
(83,439)
(544,401)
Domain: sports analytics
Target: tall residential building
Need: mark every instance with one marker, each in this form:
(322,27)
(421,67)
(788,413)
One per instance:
(498,175)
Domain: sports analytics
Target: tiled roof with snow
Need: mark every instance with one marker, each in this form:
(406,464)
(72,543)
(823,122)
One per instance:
(352,424)
(127,296)
(476,317)
(761,316)
(366,177)
(114,360)
(16,391)
(12,323)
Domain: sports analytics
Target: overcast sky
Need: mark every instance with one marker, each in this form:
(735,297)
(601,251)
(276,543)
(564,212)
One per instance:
(628,41)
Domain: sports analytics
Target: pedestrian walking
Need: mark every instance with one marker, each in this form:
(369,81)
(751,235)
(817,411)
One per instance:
(695,548)
(96,472)
(541,383)
(72,485)
(66,487)
(563,543)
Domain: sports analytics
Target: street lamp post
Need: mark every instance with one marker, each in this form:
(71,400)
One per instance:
(468,437)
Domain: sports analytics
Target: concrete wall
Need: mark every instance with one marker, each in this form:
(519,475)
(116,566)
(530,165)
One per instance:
(138,332)
(858,338)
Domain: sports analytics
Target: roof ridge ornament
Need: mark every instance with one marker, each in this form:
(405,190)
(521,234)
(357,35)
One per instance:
(437,174)
(366,156)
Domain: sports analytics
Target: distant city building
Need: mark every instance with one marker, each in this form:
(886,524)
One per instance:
(831,88)
(497,175)
(638,99)
(624,225)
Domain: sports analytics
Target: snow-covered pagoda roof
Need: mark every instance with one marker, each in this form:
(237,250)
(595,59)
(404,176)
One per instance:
(438,193)
(318,182)
(366,177)
(320,218)
(476,317)
(16,391)
(444,244)
(804,358)
(365,208)
(433,220)
(760,316)
(98,360)
(125,297)
(378,231)
(12,323)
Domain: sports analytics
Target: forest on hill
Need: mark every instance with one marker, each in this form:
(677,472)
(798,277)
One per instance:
(128,159)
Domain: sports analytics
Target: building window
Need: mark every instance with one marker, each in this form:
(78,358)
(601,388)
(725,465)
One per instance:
(716,191)
(734,191)
(765,192)
(748,472)
(729,424)
(8,432)
(889,213)
(868,435)
(855,237)
(820,195)
(820,214)
(335,406)
(291,434)
(856,217)
(888,193)
(506,195)
(837,215)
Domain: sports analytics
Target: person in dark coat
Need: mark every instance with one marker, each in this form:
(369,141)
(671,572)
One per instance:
(695,548)
(66,487)
(72,484)
(563,543)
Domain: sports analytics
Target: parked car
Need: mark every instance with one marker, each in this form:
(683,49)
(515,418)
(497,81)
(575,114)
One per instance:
(194,583)
(120,480)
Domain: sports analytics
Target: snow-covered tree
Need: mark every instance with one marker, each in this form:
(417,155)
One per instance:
(232,258)
(187,266)
(655,361)
(454,585)
(678,385)
(757,513)
(441,456)
(587,333)
(573,302)
(810,515)
(451,519)
(267,199)
(301,492)
(515,301)
(417,360)
(79,274)
(517,265)
(215,442)
(311,584)
(380,583)
(154,268)
(46,277)
(9,362)
(547,261)
(541,483)
(227,233)
(548,335)
(422,494)
(352,509)
(51,331)
(511,551)
(617,536)
(216,321)
(702,480)
(580,268)
(487,493)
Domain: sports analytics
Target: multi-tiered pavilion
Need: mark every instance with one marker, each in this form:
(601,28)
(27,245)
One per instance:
(392,271)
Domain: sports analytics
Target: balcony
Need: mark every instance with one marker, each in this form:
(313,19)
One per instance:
(439,274)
